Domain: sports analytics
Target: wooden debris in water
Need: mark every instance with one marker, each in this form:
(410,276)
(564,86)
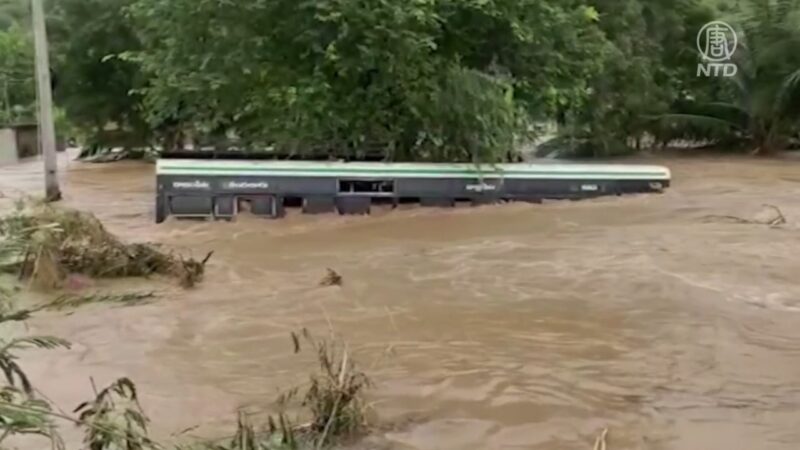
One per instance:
(771,216)
(332,278)
(777,218)
(43,244)
(600,442)
(191,271)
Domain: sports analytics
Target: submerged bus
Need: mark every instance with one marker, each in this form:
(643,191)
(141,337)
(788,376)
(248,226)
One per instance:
(216,188)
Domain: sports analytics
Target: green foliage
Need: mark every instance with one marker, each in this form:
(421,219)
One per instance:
(21,411)
(349,77)
(17,88)
(114,419)
(649,61)
(24,414)
(13,13)
(437,80)
(334,395)
(95,88)
(759,105)
(424,80)
(471,116)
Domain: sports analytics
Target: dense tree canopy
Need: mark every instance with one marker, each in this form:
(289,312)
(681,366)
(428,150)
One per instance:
(17,95)
(761,104)
(416,79)
(95,86)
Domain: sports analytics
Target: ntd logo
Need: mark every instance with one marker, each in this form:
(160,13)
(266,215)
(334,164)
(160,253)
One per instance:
(717,42)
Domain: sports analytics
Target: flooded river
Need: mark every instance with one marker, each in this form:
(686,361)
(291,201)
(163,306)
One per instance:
(500,327)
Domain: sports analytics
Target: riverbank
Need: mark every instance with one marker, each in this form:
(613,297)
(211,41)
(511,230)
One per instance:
(508,326)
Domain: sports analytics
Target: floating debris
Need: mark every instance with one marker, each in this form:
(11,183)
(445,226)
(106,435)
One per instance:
(600,442)
(332,278)
(770,215)
(44,244)
(191,271)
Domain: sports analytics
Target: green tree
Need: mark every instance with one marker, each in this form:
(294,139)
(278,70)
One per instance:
(348,76)
(760,105)
(17,90)
(648,64)
(410,80)
(95,88)
(13,12)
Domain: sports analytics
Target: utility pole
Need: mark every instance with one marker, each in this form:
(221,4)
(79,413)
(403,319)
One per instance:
(47,131)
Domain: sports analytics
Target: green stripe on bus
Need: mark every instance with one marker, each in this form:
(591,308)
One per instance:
(338,171)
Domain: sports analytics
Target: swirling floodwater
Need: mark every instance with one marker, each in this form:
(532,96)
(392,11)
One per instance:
(501,327)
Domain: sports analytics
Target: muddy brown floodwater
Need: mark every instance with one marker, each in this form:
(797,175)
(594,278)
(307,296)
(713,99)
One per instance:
(501,327)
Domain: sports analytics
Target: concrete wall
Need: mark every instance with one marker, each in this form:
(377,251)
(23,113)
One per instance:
(22,141)
(8,146)
(27,141)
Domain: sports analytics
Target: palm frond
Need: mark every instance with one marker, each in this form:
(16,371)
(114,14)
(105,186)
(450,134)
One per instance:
(114,419)
(15,316)
(701,121)
(22,414)
(725,108)
(785,8)
(14,374)
(44,342)
(74,301)
(789,86)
